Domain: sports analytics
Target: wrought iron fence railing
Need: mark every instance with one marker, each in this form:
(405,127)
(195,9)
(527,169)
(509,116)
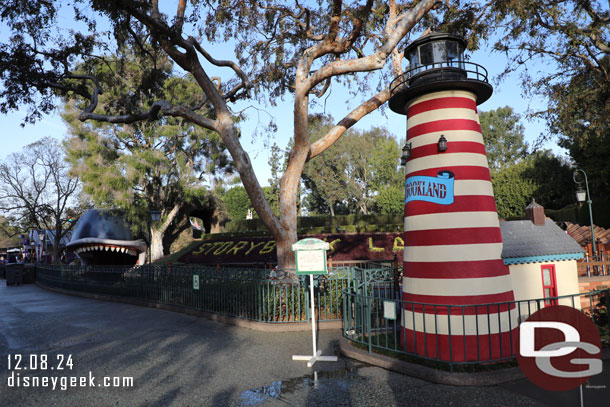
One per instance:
(254,294)
(456,335)
(441,70)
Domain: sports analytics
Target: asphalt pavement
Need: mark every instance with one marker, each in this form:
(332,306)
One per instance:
(180,360)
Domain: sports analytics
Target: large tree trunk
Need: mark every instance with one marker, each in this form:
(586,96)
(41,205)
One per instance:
(56,242)
(157,233)
(285,255)
(156,245)
(289,184)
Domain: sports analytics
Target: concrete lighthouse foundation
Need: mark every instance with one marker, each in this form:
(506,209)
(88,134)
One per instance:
(453,245)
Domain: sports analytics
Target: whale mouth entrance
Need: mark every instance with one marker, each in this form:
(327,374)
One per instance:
(106,248)
(107,254)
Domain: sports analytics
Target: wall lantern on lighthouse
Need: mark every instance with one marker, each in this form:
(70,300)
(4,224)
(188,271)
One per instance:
(442,143)
(406,154)
(452,240)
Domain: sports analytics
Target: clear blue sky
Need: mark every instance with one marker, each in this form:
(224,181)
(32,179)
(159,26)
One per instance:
(257,143)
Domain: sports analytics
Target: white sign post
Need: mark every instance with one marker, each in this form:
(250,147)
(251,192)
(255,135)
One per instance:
(311,259)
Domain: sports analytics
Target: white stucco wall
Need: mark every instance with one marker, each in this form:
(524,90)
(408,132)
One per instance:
(527,281)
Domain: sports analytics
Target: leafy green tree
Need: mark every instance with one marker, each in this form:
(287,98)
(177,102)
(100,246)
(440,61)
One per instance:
(237,202)
(349,178)
(516,175)
(145,166)
(513,191)
(390,199)
(325,178)
(281,50)
(571,40)
(540,175)
(552,177)
(388,177)
(569,34)
(504,138)
(579,114)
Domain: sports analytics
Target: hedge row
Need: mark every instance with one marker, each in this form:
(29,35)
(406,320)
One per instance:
(580,213)
(326,224)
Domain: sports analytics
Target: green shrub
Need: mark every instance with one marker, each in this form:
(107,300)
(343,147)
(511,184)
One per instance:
(580,213)
(325,224)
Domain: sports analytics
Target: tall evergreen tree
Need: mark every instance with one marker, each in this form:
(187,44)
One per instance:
(144,166)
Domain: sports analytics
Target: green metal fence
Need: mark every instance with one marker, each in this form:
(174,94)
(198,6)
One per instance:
(254,294)
(365,321)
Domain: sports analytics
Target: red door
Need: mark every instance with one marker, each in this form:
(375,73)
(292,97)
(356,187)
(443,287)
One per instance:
(549,284)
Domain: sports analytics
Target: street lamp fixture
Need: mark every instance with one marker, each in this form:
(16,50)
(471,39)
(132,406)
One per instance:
(155,216)
(583,194)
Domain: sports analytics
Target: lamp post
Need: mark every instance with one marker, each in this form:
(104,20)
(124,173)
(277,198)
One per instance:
(155,216)
(581,196)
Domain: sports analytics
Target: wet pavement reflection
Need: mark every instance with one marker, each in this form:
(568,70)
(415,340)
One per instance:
(335,380)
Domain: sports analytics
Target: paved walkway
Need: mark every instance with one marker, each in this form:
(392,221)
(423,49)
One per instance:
(181,360)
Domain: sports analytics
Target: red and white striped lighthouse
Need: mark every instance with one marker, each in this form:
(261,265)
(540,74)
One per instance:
(453,245)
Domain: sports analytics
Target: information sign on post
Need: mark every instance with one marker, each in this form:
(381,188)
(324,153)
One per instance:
(310,256)
(311,261)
